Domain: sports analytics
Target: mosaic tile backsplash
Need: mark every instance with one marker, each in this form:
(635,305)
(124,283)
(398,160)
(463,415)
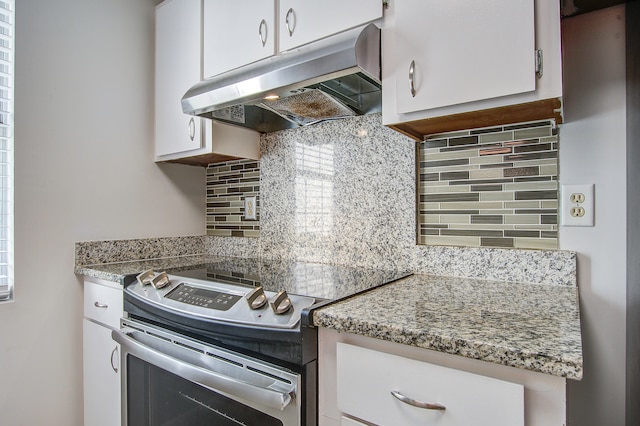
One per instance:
(227,186)
(495,187)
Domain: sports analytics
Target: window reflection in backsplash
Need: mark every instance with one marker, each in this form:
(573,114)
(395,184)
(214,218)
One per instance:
(314,188)
(494,187)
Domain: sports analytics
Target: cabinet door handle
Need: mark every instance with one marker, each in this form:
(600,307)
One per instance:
(290,27)
(100,305)
(262,32)
(419,404)
(114,352)
(192,128)
(412,87)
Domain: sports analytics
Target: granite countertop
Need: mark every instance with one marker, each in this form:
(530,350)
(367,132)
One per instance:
(118,271)
(530,326)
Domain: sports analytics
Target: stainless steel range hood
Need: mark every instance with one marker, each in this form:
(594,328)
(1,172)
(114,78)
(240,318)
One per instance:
(333,78)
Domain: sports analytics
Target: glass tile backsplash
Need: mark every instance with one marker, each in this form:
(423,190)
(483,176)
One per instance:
(227,186)
(495,187)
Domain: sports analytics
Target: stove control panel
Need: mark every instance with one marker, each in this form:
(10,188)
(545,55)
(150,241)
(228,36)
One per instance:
(219,301)
(202,297)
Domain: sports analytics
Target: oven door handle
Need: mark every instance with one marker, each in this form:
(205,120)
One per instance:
(209,379)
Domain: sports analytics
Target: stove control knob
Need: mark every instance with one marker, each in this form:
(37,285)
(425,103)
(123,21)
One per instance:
(145,277)
(256,298)
(160,280)
(281,303)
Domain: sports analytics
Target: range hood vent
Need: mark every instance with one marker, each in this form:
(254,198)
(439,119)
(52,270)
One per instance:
(330,79)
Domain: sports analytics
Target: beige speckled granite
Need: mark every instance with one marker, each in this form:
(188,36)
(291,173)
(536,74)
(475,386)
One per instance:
(111,251)
(233,246)
(117,272)
(339,192)
(530,326)
(531,266)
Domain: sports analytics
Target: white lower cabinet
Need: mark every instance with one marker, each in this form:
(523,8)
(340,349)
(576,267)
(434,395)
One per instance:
(101,376)
(357,375)
(367,381)
(101,355)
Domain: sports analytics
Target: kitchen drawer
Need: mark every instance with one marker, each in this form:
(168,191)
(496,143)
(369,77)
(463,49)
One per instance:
(103,304)
(365,379)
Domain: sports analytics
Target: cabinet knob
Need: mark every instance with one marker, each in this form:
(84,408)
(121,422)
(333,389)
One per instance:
(419,404)
(262,32)
(412,87)
(291,16)
(192,128)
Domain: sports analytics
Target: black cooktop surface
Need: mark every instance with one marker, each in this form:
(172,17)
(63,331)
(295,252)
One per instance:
(321,281)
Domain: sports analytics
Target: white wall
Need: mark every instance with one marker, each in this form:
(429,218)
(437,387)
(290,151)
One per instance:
(84,171)
(593,150)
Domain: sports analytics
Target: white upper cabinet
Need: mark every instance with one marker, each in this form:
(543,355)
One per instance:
(177,69)
(304,21)
(463,51)
(180,137)
(450,60)
(237,33)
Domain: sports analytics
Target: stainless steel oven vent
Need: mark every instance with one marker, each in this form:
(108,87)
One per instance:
(333,78)
(308,107)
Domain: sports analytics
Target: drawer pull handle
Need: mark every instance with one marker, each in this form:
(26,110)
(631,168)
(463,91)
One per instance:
(192,129)
(262,32)
(100,305)
(114,352)
(290,17)
(412,87)
(415,403)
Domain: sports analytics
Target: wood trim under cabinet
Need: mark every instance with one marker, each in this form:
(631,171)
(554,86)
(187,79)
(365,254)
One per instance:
(531,111)
(203,160)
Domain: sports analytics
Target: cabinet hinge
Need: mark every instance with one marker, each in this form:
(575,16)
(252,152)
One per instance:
(385,4)
(539,63)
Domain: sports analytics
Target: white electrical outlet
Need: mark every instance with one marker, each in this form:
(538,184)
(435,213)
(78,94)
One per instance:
(250,208)
(577,205)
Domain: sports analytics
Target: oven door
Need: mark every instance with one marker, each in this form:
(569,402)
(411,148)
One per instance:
(169,379)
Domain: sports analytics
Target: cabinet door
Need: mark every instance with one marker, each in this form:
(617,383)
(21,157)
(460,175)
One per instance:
(177,68)
(237,33)
(367,378)
(462,51)
(101,366)
(304,21)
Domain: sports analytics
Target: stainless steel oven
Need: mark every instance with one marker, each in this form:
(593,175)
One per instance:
(229,342)
(174,380)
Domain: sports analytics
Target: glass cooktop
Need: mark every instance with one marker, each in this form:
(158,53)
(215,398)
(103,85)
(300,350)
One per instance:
(321,281)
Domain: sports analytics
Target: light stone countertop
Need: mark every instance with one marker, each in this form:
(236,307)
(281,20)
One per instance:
(118,271)
(530,326)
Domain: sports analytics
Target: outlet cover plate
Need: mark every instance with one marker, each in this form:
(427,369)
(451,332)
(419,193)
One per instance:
(250,208)
(566,204)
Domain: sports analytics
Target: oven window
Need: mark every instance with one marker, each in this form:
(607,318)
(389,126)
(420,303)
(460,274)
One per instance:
(156,397)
